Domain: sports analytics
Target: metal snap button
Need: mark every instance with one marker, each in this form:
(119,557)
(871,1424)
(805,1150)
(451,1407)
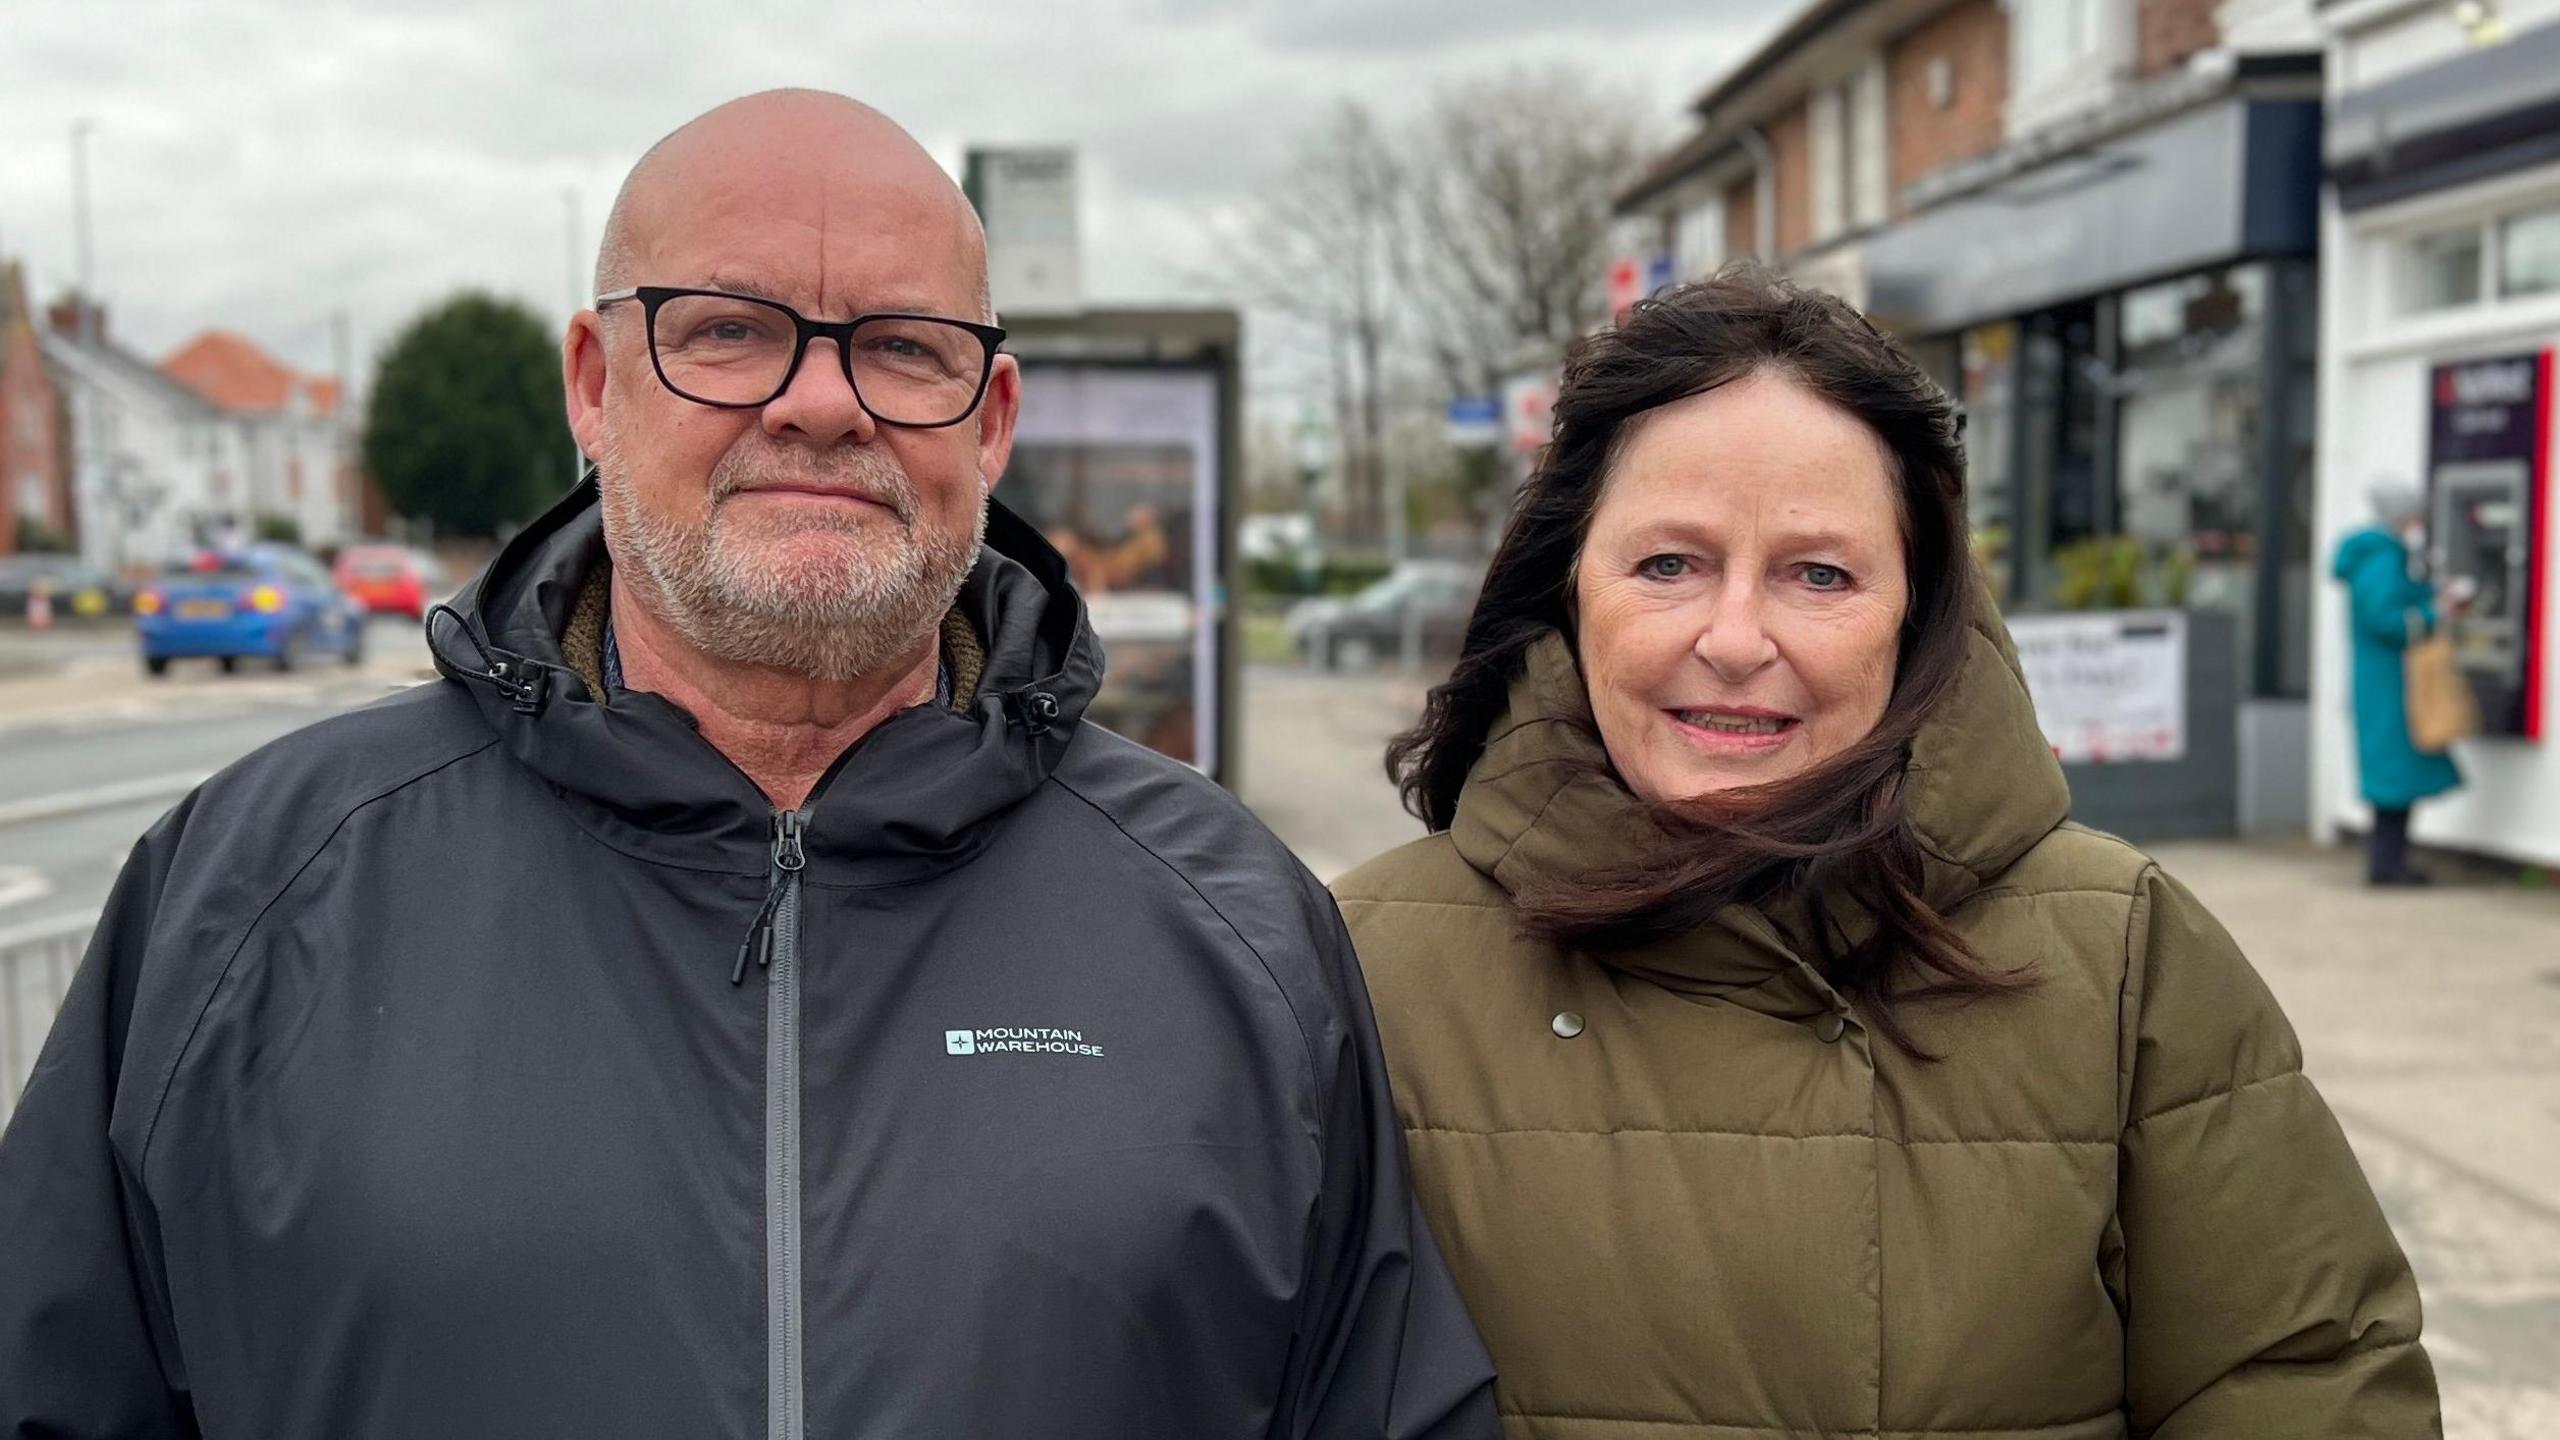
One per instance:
(1832,1028)
(1566,1025)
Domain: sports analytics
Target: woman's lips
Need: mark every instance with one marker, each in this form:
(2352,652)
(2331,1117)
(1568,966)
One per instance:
(1734,731)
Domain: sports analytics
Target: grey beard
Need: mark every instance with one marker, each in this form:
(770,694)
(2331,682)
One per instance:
(869,612)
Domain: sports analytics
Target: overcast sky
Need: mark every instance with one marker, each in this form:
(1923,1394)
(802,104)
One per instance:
(259,164)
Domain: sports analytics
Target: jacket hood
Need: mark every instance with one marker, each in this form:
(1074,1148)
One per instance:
(1541,808)
(909,798)
(2363,548)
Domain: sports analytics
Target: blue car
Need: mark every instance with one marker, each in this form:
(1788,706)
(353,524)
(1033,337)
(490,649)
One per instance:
(266,602)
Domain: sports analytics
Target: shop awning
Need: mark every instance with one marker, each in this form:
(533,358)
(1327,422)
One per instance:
(2493,110)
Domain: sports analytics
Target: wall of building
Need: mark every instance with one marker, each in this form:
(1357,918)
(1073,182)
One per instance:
(2417,35)
(30,442)
(1791,141)
(1972,42)
(2167,33)
(143,458)
(2374,418)
(1742,218)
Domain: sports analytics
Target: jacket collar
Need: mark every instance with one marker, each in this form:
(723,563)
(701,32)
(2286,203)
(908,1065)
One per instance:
(1541,807)
(911,797)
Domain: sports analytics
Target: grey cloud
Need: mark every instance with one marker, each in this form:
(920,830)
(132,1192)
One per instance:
(263,163)
(1373,26)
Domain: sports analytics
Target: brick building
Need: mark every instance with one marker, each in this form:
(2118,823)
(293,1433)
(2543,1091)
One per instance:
(2096,222)
(35,482)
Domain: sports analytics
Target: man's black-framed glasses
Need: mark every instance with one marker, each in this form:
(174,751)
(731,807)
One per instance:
(737,352)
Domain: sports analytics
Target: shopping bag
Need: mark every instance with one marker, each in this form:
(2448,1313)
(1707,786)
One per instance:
(2441,707)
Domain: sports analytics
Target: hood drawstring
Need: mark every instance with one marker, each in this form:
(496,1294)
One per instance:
(526,683)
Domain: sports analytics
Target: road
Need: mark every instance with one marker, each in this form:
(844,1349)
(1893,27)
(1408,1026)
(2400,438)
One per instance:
(95,751)
(2431,1019)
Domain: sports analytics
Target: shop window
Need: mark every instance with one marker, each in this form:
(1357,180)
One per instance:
(1698,238)
(2529,253)
(2444,269)
(2064,57)
(1870,144)
(2192,453)
(2061,381)
(1986,385)
(1826,124)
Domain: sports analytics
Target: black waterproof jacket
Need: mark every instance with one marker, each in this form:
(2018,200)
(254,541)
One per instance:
(411,1086)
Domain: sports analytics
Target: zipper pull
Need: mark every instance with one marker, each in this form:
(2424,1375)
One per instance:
(788,860)
(787,856)
(759,941)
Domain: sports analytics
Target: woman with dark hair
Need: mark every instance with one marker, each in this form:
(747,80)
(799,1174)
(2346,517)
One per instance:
(1775,1056)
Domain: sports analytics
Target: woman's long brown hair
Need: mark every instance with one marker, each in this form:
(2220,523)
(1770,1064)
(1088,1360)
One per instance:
(1840,831)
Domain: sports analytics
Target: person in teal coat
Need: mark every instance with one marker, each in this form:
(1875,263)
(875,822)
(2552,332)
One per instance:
(2387,606)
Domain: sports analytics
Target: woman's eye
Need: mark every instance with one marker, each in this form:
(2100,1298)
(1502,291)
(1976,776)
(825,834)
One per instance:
(1662,567)
(1826,577)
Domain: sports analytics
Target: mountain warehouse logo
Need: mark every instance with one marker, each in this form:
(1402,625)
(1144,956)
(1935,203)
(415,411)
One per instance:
(1003,1041)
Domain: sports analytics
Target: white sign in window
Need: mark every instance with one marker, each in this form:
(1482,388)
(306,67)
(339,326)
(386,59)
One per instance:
(2107,688)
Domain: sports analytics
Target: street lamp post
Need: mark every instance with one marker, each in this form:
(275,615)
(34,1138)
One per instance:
(90,463)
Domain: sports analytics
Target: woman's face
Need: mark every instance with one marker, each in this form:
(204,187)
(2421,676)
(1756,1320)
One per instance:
(1741,592)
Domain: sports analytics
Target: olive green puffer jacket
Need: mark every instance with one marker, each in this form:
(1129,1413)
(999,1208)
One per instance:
(1724,1207)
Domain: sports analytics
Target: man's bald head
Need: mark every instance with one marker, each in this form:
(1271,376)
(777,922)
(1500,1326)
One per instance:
(818,134)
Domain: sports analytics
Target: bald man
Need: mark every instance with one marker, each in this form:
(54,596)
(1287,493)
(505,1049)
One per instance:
(744,997)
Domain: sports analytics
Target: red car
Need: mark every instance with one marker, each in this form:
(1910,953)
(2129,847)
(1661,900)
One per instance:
(387,579)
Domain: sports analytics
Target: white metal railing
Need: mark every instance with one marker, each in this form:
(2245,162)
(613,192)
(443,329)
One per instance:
(36,964)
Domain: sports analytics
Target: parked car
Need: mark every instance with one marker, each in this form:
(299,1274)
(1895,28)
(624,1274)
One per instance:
(265,602)
(76,590)
(1354,632)
(389,579)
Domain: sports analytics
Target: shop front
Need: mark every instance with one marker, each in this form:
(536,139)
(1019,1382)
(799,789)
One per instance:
(2443,308)
(2131,332)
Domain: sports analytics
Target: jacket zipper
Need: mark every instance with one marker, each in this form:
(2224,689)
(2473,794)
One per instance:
(773,943)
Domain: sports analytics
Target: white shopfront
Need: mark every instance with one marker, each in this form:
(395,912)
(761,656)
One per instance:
(2440,317)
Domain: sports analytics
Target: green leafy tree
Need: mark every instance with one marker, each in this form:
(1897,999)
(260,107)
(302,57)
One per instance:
(465,427)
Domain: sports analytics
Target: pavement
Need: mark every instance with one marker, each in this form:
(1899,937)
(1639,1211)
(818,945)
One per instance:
(2431,1019)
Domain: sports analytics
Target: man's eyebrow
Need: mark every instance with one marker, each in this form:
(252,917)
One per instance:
(741,284)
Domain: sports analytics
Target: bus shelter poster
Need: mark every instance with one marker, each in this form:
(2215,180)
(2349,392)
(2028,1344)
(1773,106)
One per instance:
(1119,468)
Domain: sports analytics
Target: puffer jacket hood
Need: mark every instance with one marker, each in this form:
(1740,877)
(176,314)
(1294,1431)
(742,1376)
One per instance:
(1689,1194)
(495,1061)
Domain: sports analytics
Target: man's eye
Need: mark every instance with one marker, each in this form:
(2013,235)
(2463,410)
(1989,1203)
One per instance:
(1663,567)
(1826,577)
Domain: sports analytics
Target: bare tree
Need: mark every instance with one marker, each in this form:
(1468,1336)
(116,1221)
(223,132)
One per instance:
(1319,247)
(1458,246)
(1512,180)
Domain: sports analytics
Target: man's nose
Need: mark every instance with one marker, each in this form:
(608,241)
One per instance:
(819,406)
(1735,643)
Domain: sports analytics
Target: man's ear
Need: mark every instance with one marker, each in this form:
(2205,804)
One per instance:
(582,377)
(996,416)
